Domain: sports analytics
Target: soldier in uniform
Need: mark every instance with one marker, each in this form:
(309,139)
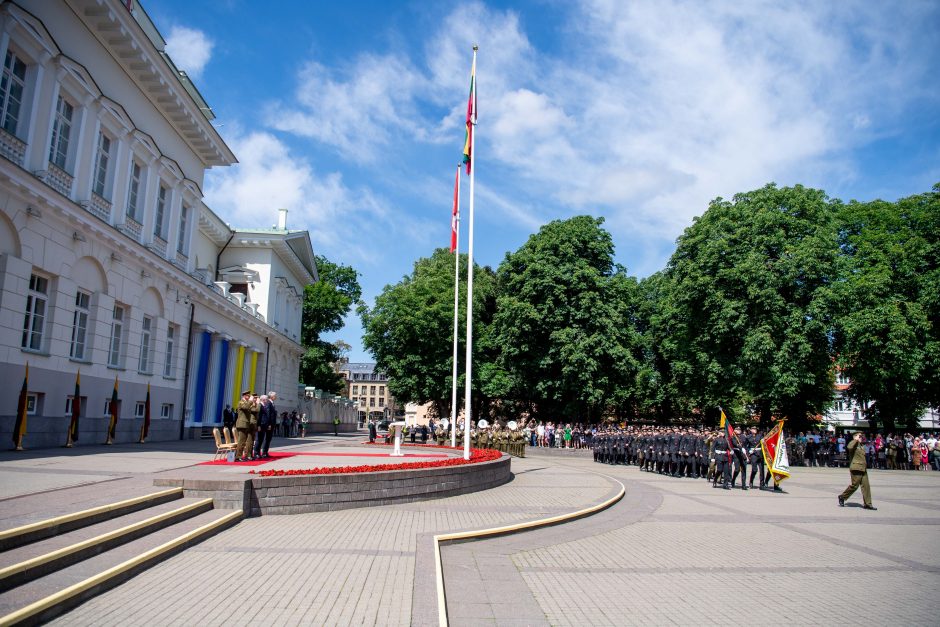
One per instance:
(752,446)
(738,458)
(245,426)
(722,452)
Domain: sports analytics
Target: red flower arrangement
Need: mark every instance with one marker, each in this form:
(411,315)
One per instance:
(476,456)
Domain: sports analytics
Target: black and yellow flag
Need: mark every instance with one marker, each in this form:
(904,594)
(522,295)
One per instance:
(113,408)
(19,429)
(76,410)
(145,428)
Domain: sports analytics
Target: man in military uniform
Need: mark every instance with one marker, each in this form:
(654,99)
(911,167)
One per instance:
(245,426)
(858,469)
(752,446)
(722,453)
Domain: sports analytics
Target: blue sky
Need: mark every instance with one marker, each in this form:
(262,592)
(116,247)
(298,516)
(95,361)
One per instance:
(351,115)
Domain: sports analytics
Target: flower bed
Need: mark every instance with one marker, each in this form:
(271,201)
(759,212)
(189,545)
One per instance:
(476,456)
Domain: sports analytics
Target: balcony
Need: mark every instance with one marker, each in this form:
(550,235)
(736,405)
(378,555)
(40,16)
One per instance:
(98,207)
(158,245)
(58,179)
(12,147)
(132,228)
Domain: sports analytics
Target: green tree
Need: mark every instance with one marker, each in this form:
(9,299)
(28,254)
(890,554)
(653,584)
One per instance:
(409,330)
(326,303)
(746,314)
(563,323)
(886,335)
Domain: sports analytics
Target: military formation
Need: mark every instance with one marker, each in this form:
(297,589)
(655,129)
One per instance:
(687,452)
(496,437)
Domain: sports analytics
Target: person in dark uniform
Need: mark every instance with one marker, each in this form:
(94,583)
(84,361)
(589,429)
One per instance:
(756,457)
(372,430)
(738,458)
(228,417)
(858,470)
(722,462)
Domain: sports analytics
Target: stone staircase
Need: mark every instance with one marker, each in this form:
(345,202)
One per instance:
(50,566)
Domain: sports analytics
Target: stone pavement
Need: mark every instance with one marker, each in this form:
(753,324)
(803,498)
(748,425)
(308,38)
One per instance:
(673,551)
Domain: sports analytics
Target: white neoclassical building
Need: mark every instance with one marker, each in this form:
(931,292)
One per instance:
(111,265)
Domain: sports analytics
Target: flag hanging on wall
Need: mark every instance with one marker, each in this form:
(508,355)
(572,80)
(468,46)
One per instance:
(19,428)
(113,409)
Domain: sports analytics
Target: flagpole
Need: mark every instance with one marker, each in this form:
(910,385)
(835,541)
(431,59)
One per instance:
(453,393)
(469,356)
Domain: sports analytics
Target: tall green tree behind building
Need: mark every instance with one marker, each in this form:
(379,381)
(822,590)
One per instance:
(326,303)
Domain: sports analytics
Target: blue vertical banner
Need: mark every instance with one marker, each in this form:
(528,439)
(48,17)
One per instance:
(202,371)
(220,381)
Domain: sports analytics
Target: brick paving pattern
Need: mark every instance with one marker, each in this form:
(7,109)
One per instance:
(672,552)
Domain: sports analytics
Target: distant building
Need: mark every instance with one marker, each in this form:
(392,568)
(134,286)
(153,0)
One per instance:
(111,265)
(846,412)
(368,389)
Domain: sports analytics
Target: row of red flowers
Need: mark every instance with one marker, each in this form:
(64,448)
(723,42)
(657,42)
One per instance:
(476,456)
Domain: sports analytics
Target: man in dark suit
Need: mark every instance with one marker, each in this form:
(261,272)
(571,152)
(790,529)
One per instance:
(858,469)
(372,430)
(267,418)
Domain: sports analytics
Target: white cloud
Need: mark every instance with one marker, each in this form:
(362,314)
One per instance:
(190,49)
(348,224)
(642,112)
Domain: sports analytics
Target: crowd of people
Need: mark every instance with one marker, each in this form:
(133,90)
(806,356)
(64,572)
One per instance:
(891,452)
(255,422)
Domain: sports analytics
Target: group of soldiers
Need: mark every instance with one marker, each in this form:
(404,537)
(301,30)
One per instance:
(496,437)
(687,452)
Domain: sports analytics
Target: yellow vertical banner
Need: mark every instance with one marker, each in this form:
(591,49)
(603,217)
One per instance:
(253,370)
(237,377)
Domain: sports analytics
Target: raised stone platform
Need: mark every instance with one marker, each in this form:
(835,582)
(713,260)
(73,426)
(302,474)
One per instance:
(232,487)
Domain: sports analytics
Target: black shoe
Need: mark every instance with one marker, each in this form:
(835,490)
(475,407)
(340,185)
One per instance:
(871,507)
(744,487)
(841,501)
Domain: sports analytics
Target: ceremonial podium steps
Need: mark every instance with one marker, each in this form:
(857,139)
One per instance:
(49,567)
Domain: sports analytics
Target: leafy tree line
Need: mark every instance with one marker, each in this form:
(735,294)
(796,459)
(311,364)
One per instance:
(764,298)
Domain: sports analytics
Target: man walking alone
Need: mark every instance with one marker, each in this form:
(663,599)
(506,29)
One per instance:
(855,452)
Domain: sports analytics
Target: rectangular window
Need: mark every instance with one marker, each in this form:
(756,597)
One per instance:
(35,320)
(102,159)
(115,352)
(181,241)
(80,325)
(371,402)
(12,85)
(166,411)
(381,390)
(139,408)
(146,345)
(61,131)
(158,229)
(372,390)
(355,389)
(170,351)
(107,407)
(133,192)
(32,403)
(381,402)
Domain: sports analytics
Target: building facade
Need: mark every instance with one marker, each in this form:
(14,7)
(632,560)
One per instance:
(111,265)
(847,413)
(367,388)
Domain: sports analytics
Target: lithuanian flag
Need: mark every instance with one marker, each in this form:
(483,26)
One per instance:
(471,116)
(19,428)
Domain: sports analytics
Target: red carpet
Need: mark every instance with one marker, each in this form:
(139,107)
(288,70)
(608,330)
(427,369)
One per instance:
(283,455)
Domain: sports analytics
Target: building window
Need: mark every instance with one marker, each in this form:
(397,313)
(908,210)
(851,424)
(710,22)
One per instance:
(381,390)
(116,350)
(35,320)
(170,351)
(355,389)
(82,402)
(181,240)
(102,159)
(80,325)
(381,402)
(140,407)
(12,85)
(61,131)
(33,402)
(371,402)
(158,229)
(146,345)
(133,192)
(372,390)
(166,411)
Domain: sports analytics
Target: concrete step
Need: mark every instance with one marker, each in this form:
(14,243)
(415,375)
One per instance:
(48,596)
(39,558)
(95,511)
